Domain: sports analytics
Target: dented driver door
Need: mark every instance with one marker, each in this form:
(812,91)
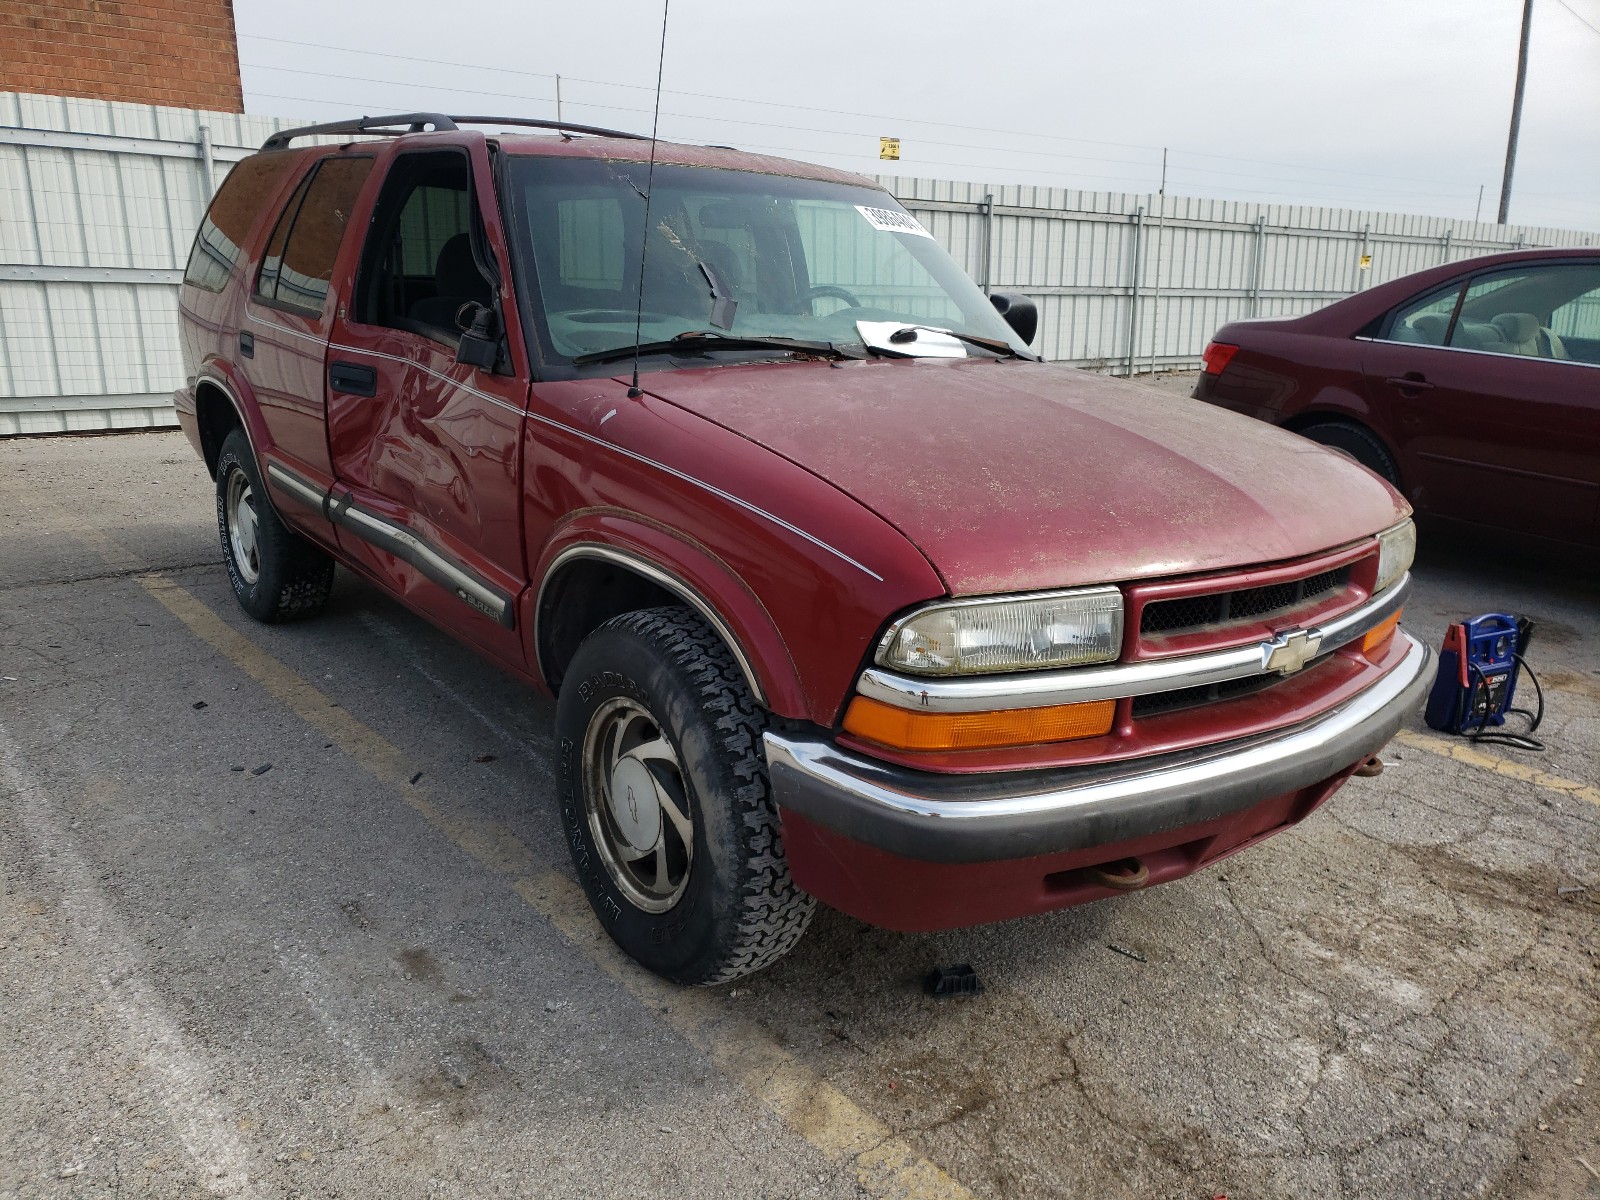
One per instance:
(425,447)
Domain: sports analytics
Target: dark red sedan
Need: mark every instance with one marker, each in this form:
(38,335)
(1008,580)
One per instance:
(1473,387)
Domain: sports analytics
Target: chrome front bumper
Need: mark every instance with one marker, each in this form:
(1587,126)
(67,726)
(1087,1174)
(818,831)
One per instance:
(981,818)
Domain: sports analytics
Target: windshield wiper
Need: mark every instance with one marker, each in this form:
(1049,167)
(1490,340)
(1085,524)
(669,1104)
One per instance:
(994,345)
(700,341)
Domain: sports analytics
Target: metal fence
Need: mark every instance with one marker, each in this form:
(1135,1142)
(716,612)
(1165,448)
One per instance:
(1129,283)
(99,202)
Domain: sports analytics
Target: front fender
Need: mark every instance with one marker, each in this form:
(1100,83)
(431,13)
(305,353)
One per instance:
(695,575)
(802,575)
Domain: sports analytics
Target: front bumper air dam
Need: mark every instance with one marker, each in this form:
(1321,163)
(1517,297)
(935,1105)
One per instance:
(958,819)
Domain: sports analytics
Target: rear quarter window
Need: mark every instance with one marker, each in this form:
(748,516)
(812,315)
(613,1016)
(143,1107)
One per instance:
(298,267)
(238,205)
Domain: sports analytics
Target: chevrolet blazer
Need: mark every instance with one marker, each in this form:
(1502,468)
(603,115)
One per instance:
(844,595)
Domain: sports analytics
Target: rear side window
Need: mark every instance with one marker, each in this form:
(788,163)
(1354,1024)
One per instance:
(1579,317)
(272,257)
(297,267)
(233,213)
(1544,310)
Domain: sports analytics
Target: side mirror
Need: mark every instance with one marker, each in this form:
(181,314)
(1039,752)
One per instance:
(480,336)
(1020,313)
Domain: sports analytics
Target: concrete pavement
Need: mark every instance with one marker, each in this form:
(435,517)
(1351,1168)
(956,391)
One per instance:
(329,978)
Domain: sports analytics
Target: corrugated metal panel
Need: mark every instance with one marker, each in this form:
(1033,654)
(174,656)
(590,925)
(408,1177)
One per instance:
(99,202)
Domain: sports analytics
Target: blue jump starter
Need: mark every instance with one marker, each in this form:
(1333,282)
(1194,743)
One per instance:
(1477,677)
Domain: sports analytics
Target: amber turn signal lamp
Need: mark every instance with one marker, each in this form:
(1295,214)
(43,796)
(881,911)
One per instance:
(907,730)
(1378,636)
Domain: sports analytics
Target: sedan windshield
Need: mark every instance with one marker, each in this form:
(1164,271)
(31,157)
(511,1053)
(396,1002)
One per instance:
(831,267)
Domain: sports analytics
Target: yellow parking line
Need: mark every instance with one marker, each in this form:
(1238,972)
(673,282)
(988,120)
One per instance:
(745,1052)
(1465,752)
(884,1165)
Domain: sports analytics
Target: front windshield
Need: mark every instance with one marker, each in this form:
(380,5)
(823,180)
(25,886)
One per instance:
(731,253)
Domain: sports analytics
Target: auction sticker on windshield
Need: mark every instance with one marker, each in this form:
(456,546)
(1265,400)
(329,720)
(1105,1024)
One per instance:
(892,220)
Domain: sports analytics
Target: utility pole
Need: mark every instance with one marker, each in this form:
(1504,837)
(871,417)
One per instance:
(1516,111)
(558,99)
(1155,294)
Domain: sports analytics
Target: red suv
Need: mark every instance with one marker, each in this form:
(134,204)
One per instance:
(844,595)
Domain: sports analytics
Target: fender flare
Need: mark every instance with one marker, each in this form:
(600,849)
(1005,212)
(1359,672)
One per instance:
(693,574)
(216,373)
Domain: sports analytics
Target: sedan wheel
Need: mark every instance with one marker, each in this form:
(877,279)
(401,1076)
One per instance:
(1358,443)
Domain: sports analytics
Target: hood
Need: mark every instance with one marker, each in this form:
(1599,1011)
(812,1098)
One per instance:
(1013,476)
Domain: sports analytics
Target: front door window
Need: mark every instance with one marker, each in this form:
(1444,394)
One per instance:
(420,268)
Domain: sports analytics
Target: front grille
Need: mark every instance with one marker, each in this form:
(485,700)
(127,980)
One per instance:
(1191,614)
(1157,703)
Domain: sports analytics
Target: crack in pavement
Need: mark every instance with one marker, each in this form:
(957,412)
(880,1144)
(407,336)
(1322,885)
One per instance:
(129,572)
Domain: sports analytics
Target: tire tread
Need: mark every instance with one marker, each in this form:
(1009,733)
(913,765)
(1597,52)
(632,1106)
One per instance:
(304,572)
(774,911)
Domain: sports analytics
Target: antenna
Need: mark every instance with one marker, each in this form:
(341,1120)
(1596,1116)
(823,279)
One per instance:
(634,391)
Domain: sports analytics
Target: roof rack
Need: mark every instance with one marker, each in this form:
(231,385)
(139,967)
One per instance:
(404,123)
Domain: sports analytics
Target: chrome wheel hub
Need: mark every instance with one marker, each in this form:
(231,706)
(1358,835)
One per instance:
(239,510)
(637,804)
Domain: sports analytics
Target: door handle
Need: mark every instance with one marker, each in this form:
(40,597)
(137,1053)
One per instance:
(1411,381)
(247,343)
(353,379)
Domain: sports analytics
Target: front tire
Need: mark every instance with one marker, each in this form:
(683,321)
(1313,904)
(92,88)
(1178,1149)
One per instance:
(665,801)
(276,574)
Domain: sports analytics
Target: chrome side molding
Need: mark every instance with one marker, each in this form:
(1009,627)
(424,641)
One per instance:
(1285,652)
(392,538)
(302,490)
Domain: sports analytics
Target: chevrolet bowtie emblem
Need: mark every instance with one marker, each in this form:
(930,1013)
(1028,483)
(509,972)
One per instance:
(1287,652)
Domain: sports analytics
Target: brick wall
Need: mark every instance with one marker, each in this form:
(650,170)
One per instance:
(177,52)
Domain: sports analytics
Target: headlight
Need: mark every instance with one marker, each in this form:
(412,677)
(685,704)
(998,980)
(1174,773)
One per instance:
(1018,633)
(1397,546)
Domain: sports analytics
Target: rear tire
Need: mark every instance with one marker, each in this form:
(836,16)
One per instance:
(665,801)
(1355,442)
(276,574)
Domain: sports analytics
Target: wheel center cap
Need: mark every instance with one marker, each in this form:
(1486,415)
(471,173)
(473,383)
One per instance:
(634,806)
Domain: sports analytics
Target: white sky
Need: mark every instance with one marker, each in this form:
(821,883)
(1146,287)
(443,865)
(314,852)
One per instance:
(1395,105)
